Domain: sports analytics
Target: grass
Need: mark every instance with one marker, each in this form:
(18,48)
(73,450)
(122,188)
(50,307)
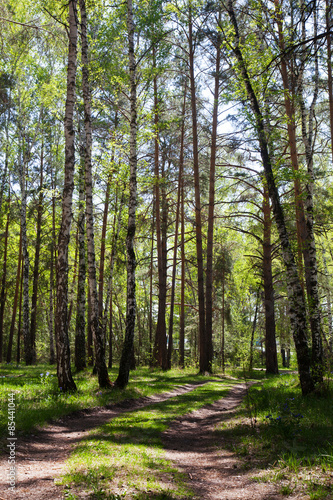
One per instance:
(279,436)
(124,458)
(38,398)
(284,438)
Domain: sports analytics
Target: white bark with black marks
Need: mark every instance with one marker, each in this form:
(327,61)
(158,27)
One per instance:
(65,379)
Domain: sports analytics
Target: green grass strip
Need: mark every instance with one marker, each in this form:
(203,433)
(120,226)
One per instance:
(38,398)
(124,458)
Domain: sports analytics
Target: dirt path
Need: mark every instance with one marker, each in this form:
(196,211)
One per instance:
(189,443)
(213,472)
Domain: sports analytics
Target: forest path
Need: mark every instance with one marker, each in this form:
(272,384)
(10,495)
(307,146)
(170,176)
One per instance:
(214,472)
(189,442)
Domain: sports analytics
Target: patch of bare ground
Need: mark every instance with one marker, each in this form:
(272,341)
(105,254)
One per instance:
(40,457)
(190,443)
(214,472)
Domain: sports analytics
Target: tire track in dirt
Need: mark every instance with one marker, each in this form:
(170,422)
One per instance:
(214,473)
(40,457)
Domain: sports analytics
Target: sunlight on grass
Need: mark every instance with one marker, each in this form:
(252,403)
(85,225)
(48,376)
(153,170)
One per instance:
(38,398)
(125,456)
(283,436)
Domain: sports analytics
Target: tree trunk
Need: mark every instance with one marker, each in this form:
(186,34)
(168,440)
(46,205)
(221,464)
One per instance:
(65,379)
(174,267)
(90,340)
(125,361)
(16,296)
(254,326)
(211,203)
(80,325)
(102,371)
(223,322)
(28,345)
(151,288)
(53,264)
(73,284)
(204,341)
(33,318)
(18,350)
(306,241)
(329,67)
(270,335)
(297,310)
(116,231)
(51,317)
(3,282)
(160,348)
(310,251)
(182,282)
(110,330)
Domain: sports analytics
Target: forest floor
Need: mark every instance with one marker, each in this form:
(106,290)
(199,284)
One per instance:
(211,470)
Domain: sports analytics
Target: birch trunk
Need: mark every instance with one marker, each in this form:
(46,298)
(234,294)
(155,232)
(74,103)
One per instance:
(80,325)
(125,361)
(65,379)
(102,371)
(310,251)
(328,13)
(297,312)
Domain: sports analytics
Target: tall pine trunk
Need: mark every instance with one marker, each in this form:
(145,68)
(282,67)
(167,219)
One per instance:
(28,345)
(160,348)
(175,249)
(33,318)
(211,205)
(205,362)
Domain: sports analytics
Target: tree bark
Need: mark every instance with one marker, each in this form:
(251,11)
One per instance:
(110,330)
(297,312)
(125,361)
(64,373)
(4,281)
(211,203)
(28,345)
(328,13)
(16,296)
(80,325)
(175,248)
(102,371)
(204,342)
(270,334)
(160,348)
(18,350)
(309,245)
(33,317)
